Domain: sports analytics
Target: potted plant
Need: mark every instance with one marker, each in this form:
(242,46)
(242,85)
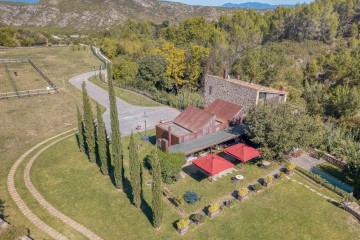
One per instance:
(191,197)
(243,194)
(290,168)
(198,218)
(257,187)
(179,201)
(268,181)
(281,176)
(213,210)
(231,203)
(183,226)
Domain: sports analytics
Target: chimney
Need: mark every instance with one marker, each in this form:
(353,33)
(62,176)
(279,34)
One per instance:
(282,88)
(225,76)
(238,77)
(169,140)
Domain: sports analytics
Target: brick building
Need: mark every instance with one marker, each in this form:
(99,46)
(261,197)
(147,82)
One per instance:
(239,92)
(194,123)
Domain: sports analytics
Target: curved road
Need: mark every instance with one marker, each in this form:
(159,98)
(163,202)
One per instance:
(130,116)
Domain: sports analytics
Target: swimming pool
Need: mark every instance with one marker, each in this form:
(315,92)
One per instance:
(333,180)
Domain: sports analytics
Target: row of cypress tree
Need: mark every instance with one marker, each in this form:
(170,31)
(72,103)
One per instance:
(93,141)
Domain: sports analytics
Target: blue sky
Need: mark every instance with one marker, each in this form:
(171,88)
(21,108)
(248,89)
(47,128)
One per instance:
(221,2)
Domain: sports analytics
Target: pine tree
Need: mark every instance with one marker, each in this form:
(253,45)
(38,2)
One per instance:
(135,172)
(356,191)
(157,204)
(80,133)
(101,142)
(88,125)
(117,157)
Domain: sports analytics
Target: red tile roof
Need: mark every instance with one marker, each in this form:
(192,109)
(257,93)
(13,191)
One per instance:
(224,111)
(193,118)
(213,164)
(242,152)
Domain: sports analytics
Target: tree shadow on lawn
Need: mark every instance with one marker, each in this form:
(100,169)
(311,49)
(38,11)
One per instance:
(194,172)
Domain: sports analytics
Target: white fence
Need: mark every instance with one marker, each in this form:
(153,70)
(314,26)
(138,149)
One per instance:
(28,93)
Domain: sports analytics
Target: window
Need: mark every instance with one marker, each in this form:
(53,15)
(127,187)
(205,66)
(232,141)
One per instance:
(210,90)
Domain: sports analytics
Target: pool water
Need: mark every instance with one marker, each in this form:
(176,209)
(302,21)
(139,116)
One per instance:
(333,180)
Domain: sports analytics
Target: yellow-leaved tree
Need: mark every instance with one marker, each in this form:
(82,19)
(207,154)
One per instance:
(176,63)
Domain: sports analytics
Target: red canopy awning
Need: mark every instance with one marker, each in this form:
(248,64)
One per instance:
(242,152)
(213,164)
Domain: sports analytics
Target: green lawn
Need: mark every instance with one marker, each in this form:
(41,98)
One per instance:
(28,121)
(211,192)
(128,96)
(284,211)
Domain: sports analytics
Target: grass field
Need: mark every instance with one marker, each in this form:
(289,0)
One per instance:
(5,81)
(284,211)
(128,96)
(27,121)
(27,77)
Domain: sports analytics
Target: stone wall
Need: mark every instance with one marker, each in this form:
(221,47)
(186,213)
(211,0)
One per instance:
(229,91)
(331,159)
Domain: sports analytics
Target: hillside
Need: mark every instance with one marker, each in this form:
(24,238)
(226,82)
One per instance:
(90,14)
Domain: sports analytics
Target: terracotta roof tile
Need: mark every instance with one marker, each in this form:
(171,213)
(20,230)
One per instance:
(193,118)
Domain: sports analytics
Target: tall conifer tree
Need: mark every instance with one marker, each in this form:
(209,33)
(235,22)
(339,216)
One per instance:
(101,142)
(117,157)
(157,204)
(80,133)
(135,172)
(88,125)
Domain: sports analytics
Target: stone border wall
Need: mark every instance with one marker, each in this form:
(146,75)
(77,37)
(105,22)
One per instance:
(332,159)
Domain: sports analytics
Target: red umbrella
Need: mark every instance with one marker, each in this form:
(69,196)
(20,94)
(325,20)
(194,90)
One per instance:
(213,164)
(242,152)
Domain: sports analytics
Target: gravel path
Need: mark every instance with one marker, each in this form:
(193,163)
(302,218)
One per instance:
(130,116)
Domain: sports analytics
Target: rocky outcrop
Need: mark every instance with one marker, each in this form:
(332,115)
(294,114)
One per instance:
(91,14)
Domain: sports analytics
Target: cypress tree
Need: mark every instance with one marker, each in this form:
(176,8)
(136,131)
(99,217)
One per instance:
(135,172)
(157,204)
(88,125)
(80,133)
(117,157)
(356,191)
(101,142)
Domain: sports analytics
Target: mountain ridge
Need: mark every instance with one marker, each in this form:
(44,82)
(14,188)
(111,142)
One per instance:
(254,5)
(92,14)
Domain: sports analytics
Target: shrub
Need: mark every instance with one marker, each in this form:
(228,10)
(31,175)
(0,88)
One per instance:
(198,218)
(213,208)
(297,153)
(257,187)
(269,179)
(290,167)
(320,154)
(183,223)
(232,202)
(191,197)
(179,200)
(243,192)
(171,165)
(282,175)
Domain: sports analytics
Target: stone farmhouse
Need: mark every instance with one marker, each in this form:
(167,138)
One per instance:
(240,92)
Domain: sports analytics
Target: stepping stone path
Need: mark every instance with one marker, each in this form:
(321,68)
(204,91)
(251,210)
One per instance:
(26,210)
(311,189)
